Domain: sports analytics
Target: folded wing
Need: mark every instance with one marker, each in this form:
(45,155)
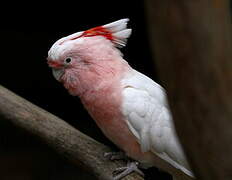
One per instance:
(148,117)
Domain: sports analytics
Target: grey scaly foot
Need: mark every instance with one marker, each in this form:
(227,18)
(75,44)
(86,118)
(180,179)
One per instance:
(115,155)
(121,172)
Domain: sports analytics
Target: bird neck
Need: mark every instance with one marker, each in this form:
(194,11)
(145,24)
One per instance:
(102,75)
(96,76)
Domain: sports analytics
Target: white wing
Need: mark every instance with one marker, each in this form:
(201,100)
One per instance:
(148,117)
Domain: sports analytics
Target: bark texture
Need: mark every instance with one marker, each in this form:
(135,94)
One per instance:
(75,146)
(191,43)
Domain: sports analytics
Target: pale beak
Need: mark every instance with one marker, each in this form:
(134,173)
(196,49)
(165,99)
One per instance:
(57,73)
(57,69)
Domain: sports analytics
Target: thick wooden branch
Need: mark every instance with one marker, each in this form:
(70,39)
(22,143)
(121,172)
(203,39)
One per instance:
(69,142)
(191,41)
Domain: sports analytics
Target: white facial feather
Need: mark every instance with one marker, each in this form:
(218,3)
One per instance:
(60,45)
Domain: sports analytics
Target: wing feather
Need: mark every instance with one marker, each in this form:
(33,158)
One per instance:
(147,113)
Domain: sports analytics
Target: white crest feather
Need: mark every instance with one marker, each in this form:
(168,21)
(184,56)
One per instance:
(119,31)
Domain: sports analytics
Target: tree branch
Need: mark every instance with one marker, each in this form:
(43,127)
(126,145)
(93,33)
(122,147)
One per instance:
(80,149)
(192,45)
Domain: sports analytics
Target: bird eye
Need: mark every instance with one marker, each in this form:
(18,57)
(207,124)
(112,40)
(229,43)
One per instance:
(68,60)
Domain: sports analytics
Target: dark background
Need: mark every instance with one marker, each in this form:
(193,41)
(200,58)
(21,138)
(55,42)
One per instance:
(27,32)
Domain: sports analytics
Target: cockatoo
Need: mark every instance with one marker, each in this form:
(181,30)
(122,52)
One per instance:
(129,107)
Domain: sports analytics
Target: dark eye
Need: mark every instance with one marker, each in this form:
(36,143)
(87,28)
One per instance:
(68,60)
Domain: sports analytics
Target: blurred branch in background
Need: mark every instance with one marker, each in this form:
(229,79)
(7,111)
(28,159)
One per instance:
(191,43)
(75,146)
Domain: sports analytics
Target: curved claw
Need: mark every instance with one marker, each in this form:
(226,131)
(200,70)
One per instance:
(121,172)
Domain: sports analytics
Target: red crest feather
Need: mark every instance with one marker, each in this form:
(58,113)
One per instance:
(116,32)
(98,31)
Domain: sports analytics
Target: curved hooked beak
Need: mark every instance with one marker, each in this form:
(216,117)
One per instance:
(57,69)
(57,73)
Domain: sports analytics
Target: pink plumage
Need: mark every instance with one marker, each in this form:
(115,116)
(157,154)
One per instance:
(129,107)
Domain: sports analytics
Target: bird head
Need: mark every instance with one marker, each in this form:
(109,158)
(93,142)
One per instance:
(77,52)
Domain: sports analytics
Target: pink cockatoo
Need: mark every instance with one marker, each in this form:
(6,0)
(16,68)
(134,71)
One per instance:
(130,108)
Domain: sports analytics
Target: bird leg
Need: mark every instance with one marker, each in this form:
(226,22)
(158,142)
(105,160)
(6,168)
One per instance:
(121,172)
(115,155)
